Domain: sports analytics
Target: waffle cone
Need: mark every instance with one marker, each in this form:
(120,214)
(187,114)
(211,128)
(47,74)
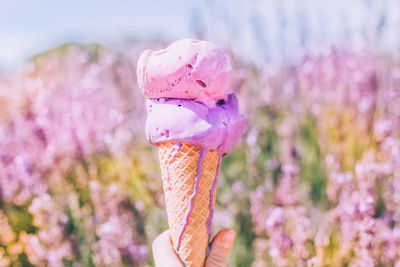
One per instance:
(190,177)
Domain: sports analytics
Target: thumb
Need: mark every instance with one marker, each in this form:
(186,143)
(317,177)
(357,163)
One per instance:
(220,248)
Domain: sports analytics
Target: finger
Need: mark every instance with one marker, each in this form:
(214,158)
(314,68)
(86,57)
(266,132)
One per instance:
(220,248)
(163,251)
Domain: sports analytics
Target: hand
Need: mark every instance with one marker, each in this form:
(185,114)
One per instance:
(165,256)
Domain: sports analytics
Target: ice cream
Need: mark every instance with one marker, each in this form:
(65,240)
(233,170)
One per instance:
(215,126)
(194,122)
(187,69)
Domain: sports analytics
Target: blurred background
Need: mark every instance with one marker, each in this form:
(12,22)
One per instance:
(315,180)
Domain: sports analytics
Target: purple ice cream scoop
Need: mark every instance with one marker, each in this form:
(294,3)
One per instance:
(213,126)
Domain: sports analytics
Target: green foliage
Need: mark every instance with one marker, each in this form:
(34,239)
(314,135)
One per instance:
(312,171)
(93,49)
(19,218)
(267,144)
(242,251)
(22,261)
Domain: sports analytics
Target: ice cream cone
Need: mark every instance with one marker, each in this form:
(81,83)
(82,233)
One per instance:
(190,177)
(194,120)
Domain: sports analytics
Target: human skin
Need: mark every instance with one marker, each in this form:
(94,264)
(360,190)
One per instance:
(165,256)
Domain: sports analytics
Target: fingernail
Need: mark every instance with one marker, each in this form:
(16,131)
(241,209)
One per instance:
(228,238)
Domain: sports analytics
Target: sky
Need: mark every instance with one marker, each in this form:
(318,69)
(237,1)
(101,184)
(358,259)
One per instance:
(258,30)
(29,27)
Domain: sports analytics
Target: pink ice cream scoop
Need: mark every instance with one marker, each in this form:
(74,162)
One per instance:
(187,69)
(186,85)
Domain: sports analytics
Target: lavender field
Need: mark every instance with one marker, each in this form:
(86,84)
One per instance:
(315,180)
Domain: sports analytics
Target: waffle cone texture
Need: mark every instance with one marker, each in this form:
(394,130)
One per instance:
(190,177)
